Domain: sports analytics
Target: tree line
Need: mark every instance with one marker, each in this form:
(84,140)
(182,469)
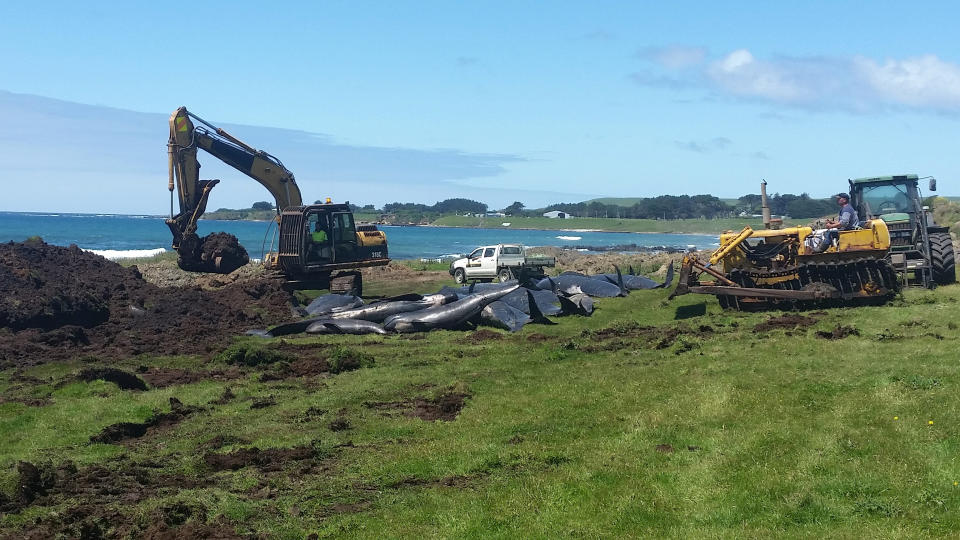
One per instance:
(661,207)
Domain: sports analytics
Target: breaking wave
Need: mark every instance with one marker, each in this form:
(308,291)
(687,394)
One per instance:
(114,254)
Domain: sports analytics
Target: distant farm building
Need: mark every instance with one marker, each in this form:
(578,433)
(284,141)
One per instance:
(556,214)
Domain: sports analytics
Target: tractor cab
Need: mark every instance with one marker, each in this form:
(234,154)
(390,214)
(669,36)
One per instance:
(917,244)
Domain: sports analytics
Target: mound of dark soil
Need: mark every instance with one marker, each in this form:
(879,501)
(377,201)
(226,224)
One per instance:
(124,380)
(226,248)
(60,303)
(46,287)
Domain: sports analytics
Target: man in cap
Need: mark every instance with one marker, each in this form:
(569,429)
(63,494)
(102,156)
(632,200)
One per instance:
(847,219)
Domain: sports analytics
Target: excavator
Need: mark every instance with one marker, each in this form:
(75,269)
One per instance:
(320,246)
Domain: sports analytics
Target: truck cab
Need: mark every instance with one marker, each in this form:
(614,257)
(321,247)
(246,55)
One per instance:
(502,262)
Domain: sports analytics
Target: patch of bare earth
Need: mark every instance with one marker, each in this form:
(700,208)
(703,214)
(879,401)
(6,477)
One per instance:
(162,377)
(454,481)
(785,322)
(445,407)
(838,332)
(97,494)
(629,335)
(270,460)
(480,336)
(157,423)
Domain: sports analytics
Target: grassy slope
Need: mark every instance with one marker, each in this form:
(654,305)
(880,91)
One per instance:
(630,201)
(779,434)
(702,226)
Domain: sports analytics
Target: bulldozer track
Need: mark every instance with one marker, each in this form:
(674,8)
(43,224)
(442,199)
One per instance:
(858,282)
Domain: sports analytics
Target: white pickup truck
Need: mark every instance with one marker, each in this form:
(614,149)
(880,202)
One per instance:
(502,262)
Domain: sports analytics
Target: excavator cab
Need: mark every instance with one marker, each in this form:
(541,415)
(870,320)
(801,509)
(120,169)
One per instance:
(320,244)
(331,236)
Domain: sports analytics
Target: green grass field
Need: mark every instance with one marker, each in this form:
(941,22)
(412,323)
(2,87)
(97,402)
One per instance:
(698,226)
(649,419)
(630,201)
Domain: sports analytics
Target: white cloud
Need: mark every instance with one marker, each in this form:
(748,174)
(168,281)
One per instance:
(925,81)
(857,83)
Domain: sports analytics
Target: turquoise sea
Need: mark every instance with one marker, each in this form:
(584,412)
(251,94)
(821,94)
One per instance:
(128,233)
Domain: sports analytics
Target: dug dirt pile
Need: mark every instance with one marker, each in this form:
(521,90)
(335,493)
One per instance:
(59,303)
(224,251)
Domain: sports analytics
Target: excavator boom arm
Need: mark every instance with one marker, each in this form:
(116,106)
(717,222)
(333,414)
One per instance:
(186,138)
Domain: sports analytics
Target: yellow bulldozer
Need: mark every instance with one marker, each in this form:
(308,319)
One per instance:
(794,267)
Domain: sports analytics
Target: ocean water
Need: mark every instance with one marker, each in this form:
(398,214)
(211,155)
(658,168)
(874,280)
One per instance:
(126,234)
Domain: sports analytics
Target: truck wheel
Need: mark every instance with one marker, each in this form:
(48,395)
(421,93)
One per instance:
(942,259)
(460,276)
(504,275)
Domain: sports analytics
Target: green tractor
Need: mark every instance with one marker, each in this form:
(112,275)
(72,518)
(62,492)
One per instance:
(917,244)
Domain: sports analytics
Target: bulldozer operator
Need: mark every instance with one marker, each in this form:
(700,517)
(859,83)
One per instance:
(847,220)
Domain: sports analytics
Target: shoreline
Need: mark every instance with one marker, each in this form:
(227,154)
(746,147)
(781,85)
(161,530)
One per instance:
(557,230)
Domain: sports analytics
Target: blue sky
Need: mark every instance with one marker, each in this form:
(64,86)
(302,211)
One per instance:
(561,100)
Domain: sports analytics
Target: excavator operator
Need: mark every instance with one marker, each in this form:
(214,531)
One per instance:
(319,249)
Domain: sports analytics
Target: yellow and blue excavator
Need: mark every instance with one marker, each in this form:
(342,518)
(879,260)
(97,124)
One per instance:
(320,246)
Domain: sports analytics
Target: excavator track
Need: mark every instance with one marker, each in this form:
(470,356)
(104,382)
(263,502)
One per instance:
(848,283)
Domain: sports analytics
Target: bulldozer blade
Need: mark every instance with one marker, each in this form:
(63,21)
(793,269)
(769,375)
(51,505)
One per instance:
(683,287)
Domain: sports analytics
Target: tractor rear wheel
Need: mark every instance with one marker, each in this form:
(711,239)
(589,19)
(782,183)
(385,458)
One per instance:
(942,259)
